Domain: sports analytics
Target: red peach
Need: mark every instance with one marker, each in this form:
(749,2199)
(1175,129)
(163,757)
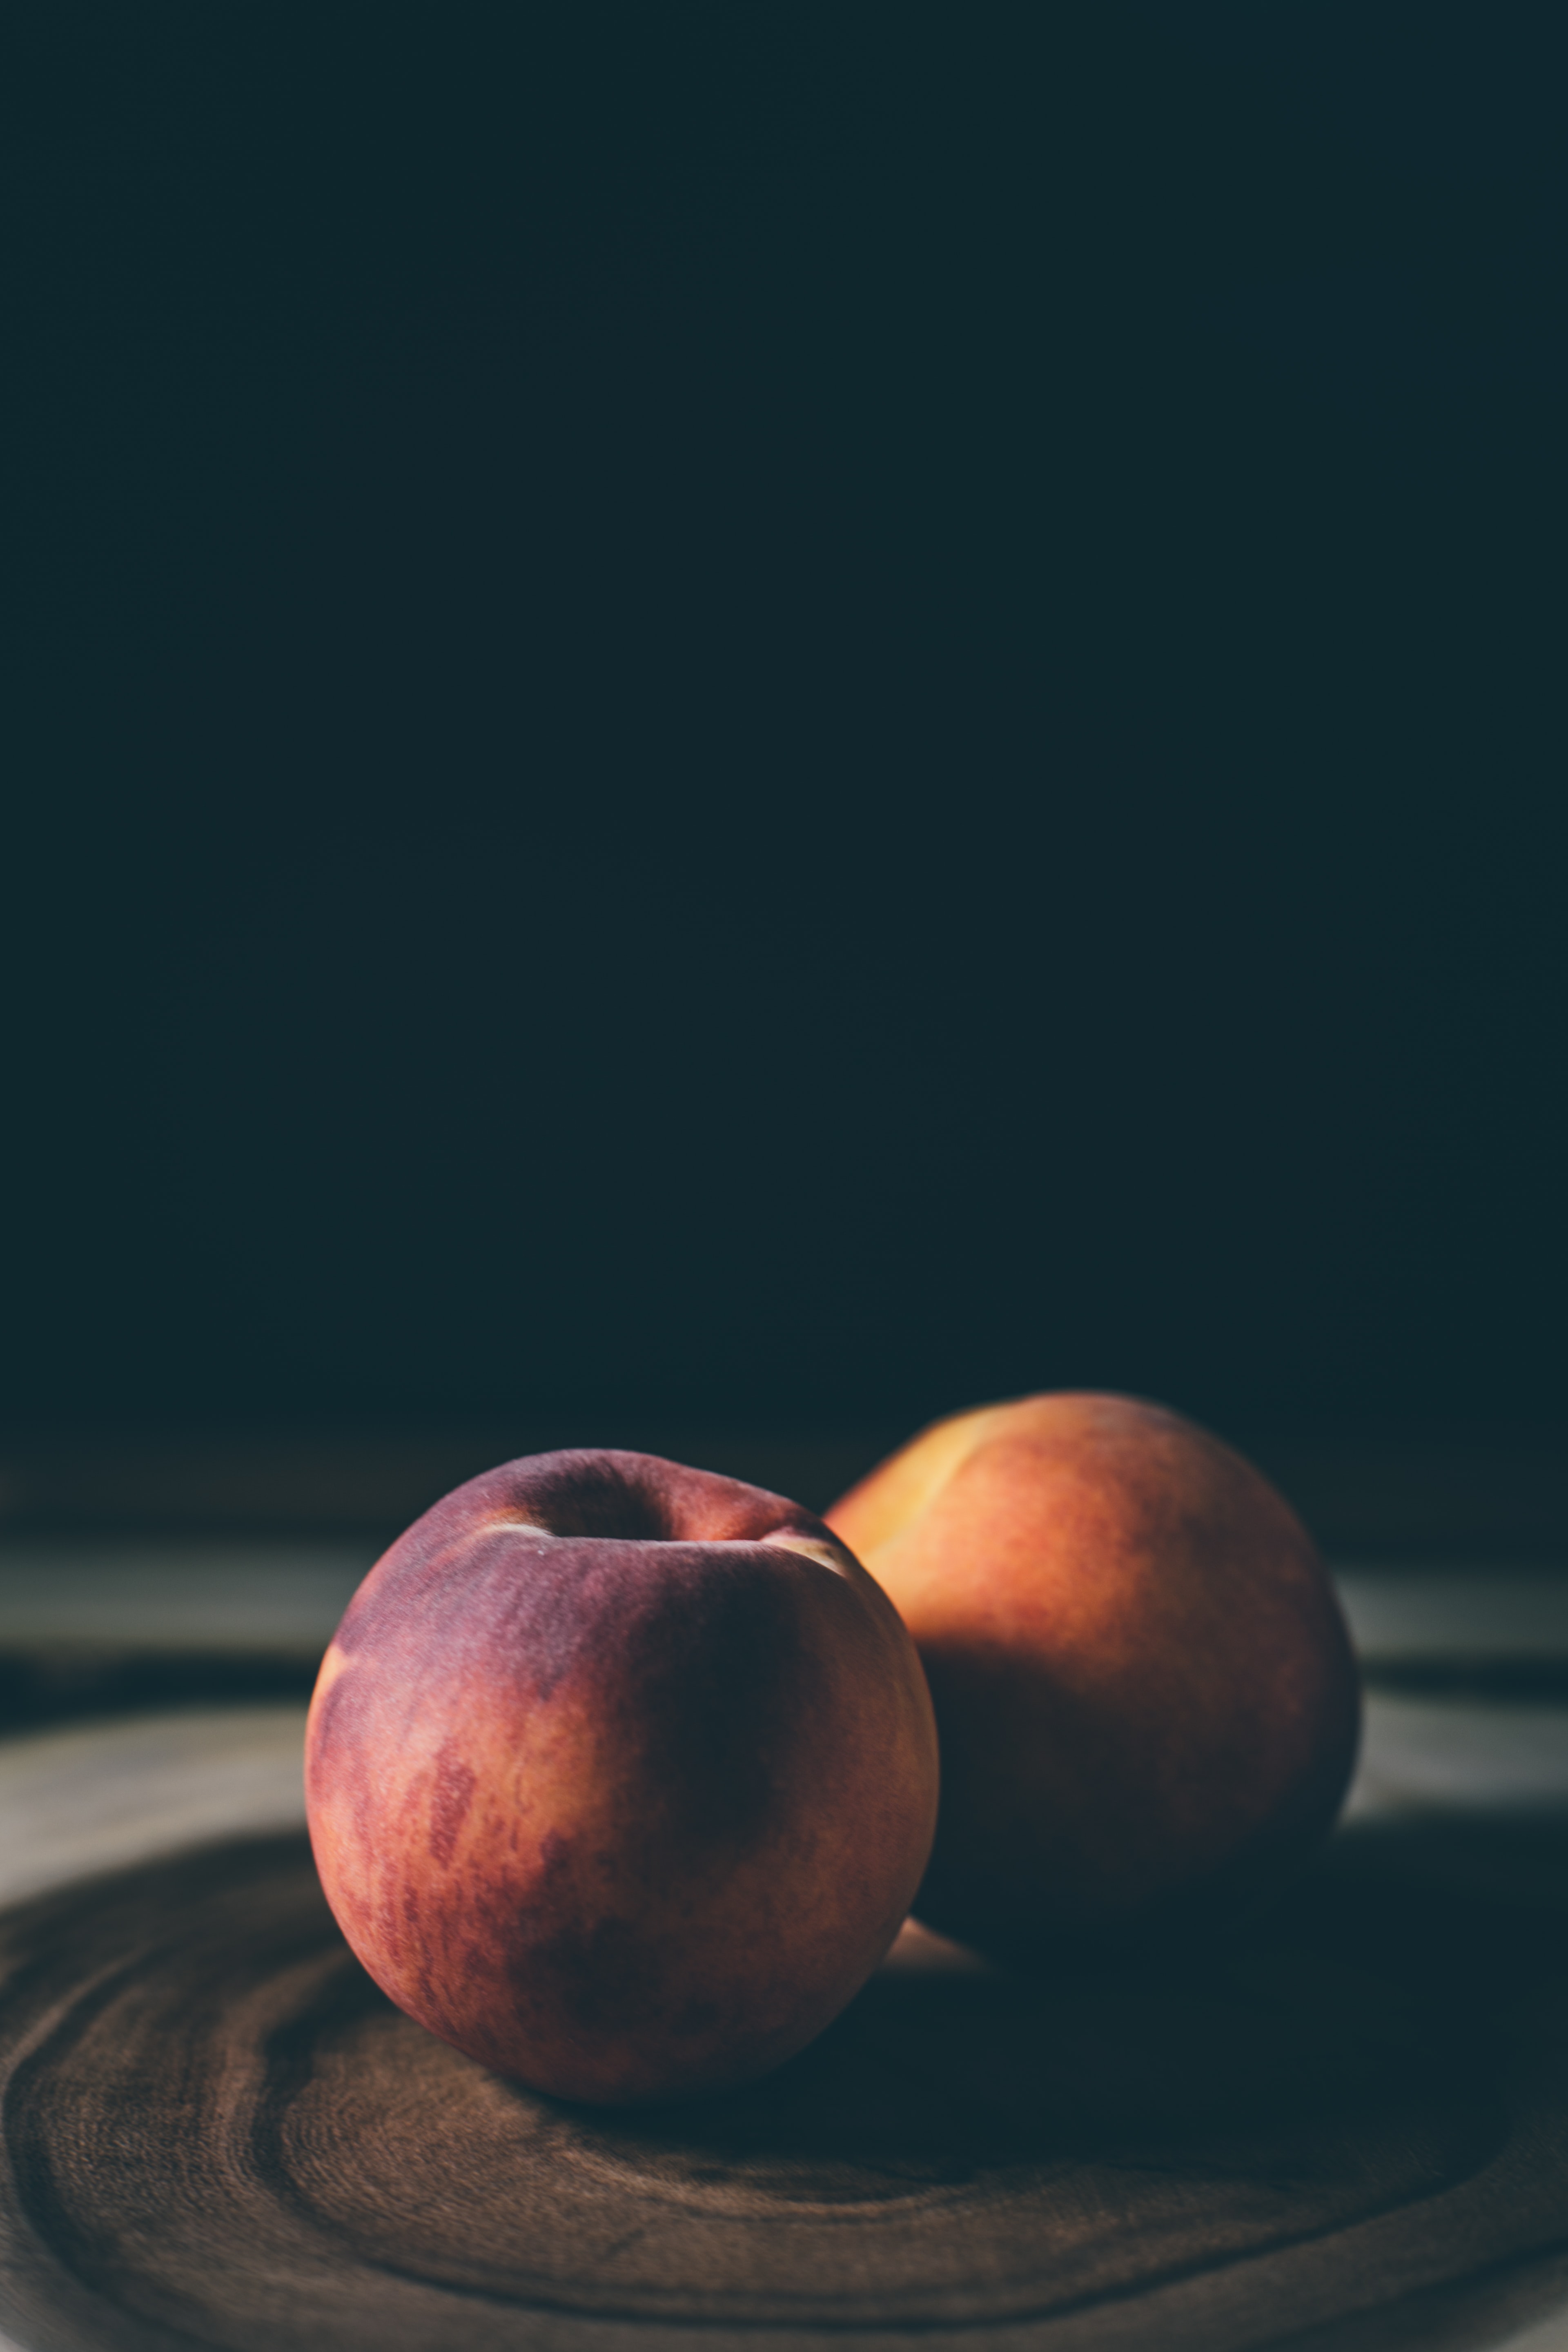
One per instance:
(620,1776)
(1146,1695)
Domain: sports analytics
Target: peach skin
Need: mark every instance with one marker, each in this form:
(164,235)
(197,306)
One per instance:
(620,1776)
(1144,1690)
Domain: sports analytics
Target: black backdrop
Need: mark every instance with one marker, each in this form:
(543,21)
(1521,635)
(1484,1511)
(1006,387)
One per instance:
(783,713)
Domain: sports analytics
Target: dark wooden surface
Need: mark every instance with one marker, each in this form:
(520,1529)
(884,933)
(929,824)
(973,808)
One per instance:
(218,2133)
(1346,2128)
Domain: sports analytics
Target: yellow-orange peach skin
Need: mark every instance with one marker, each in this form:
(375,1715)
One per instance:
(620,1776)
(1144,1691)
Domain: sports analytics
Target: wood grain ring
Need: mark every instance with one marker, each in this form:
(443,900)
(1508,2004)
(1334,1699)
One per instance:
(218,2133)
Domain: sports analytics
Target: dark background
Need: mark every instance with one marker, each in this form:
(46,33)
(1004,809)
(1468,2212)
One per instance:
(776,717)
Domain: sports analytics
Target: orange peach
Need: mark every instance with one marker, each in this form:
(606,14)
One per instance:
(620,1776)
(1144,1691)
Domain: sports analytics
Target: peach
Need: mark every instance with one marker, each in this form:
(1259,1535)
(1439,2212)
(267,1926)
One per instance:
(620,1776)
(1146,1695)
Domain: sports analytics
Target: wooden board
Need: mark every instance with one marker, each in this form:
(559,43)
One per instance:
(1348,2128)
